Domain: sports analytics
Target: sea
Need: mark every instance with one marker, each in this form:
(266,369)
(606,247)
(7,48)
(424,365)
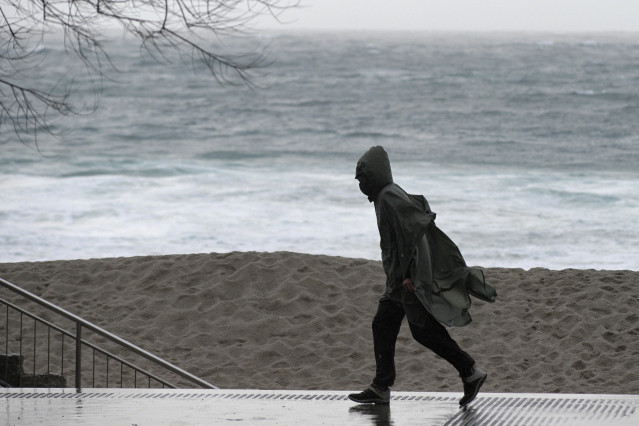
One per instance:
(526,145)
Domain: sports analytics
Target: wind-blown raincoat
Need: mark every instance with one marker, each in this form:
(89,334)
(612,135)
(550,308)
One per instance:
(414,247)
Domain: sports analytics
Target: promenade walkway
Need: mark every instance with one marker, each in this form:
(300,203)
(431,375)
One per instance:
(263,407)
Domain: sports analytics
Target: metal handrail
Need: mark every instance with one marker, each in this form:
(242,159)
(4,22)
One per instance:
(80,322)
(86,343)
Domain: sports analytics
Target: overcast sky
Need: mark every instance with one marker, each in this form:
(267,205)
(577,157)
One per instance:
(470,15)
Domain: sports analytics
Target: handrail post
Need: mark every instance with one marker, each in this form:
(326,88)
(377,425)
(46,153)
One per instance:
(78,356)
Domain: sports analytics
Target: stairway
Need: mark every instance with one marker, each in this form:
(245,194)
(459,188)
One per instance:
(18,328)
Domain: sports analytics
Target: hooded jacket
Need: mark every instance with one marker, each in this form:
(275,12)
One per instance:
(414,247)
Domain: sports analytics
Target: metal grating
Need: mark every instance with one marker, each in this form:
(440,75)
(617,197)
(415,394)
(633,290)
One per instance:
(181,394)
(550,410)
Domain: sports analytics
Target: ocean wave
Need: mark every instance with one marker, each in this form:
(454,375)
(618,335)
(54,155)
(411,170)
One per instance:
(369,135)
(129,169)
(525,152)
(237,155)
(577,198)
(144,172)
(306,103)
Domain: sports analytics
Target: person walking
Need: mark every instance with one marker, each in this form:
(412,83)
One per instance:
(427,281)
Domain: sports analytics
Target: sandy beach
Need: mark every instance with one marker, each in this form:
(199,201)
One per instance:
(297,321)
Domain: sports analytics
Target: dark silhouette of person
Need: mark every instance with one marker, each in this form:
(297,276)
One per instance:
(427,281)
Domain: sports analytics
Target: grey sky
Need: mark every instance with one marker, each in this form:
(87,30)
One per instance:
(483,15)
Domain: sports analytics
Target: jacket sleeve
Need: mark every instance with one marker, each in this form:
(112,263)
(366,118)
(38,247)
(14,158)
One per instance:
(408,220)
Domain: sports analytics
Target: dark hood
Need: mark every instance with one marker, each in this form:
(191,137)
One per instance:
(374,167)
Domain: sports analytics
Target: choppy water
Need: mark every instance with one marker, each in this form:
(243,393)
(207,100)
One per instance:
(526,146)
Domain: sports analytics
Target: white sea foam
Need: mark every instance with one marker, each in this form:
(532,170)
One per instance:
(503,218)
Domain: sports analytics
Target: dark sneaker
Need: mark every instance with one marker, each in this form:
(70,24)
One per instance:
(372,395)
(472,384)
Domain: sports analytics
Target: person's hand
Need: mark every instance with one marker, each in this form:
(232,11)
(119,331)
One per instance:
(408,285)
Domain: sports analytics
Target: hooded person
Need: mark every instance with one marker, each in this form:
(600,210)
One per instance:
(427,281)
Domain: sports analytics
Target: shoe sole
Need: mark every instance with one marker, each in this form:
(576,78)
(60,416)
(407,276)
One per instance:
(369,401)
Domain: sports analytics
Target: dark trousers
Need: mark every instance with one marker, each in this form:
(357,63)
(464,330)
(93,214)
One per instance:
(431,333)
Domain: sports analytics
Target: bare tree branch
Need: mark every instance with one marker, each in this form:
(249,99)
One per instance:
(191,27)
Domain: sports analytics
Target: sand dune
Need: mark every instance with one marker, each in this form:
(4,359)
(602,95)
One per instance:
(296,321)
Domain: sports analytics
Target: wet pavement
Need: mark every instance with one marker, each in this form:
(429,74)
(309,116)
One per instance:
(264,407)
